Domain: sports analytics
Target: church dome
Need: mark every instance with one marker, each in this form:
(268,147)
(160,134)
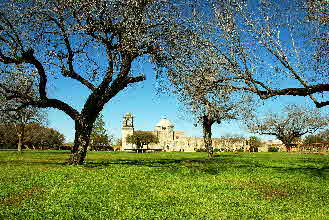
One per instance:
(128,114)
(164,122)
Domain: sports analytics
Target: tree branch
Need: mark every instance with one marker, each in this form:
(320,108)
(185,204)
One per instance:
(55,103)
(296,91)
(70,72)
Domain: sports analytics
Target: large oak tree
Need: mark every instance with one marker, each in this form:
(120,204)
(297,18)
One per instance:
(94,42)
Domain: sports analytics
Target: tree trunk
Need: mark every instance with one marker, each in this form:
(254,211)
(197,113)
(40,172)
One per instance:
(81,143)
(20,133)
(287,143)
(19,145)
(288,147)
(206,124)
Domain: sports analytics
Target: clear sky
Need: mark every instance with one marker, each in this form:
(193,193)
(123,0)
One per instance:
(148,107)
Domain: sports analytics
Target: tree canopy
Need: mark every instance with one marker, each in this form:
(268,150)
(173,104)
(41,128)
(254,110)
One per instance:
(273,48)
(209,101)
(320,137)
(141,138)
(254,143)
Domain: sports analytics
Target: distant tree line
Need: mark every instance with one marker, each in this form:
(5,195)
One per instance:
(35,136)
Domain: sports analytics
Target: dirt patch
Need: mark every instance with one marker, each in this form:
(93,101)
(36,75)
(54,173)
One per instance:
(266,191)
(311,152)
(18,199)
(272,193)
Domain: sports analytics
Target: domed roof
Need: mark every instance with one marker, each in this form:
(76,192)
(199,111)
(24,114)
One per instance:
(128,114)
(164,122)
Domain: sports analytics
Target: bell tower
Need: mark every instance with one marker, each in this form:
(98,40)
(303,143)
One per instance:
(127,129)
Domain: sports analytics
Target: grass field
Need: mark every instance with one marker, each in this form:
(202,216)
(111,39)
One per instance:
(111,185)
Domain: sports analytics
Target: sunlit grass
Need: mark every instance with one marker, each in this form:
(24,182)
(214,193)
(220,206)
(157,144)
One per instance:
(121,185)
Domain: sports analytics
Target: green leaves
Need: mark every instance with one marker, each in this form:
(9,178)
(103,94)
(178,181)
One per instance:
(141,138)
(99,134)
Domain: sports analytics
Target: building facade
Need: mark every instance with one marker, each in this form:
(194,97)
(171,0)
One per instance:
(171,140)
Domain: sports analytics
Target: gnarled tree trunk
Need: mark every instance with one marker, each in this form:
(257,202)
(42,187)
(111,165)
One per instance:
(206,124)
(287,141)
(81,142)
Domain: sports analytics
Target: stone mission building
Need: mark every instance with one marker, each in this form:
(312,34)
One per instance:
(171,140)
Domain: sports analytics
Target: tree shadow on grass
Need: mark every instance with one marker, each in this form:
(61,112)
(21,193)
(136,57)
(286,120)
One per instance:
(218,164)
(33,163)
(148,163)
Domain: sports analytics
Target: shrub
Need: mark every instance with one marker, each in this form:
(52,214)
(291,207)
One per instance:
(273,149)
(101,148)
(201,150)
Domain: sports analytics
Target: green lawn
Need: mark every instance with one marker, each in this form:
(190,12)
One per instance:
(111,185)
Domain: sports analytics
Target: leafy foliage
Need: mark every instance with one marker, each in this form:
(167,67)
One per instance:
(321,137)
(324,135)
(141,138)
(99,136)
(36,136)
(273,149)
(15,116)
(312,139)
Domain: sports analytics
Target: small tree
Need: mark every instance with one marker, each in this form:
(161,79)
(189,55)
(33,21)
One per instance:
(324,135)
(141,138)
(117,143)
(208,100)
(99,136)
(294,122)
(254,143)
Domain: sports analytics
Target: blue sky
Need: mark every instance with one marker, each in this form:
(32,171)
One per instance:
(148,107)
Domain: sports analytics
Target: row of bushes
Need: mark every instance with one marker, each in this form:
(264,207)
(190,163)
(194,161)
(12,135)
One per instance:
(91,148)
(270,149)
(56,147)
